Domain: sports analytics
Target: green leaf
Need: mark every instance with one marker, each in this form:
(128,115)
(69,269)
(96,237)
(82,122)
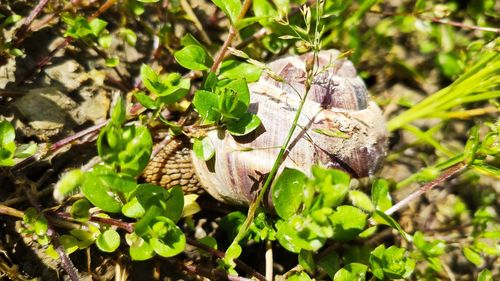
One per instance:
(209,241)
(139,144)
(231,223)
(41,225)
(351,272)
(306,260)
(170,239)
(118,114)
(287,192)
(237,90)
(112,62)
(335,133)
(244,125)
(294,235)
(69,243)
(419,6)
(210,82)
(234,69)
(380,195)
(203,148)
(30,215)
(472,145)
(145,100)
(169,203)
(189,39)
(108,241)
(434,248)
(193,57)
(449,64)
(133,209)
(485,275)
(361,200)
(96,188)
(129,147)
(347,222)
(330,263)
(105,41)
(51,252)
(205,102)
(97,26)
(230,7)
(7,132)
(139,249)
(12,19)
(148,1)
(142,227)
(473,256)
(175,90)
(129,36)
(175,203)
(233,252)
(333,184)
(25,150)
(150,79)
(299,276)
(85,237)
(265,10)
(392,263)
(382,218)
(368,232)
(7,154)
(80,209)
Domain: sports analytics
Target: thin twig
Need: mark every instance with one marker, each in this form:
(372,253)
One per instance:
(439,20)
(128,227)
(220,255)
(192,16)
(43,62)
(232,32)
(57,145)
(462,25)
(23,30)
(66,262)
(9,211)
(211,273)
(252,209)
(447,174)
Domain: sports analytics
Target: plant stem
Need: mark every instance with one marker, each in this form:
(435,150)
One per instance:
(65,261)
(230,36)
(21,33)
(44,61)
(9,211)
(280,158)
(448,173)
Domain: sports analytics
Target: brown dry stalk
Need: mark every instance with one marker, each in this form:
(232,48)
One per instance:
(232,33)
(447,174)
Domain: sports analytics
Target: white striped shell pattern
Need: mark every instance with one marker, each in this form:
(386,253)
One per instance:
(339,127)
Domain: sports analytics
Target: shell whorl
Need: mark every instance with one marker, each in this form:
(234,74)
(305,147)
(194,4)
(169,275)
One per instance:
(337,102)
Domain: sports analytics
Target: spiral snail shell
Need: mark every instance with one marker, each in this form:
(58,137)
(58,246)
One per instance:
(339,127)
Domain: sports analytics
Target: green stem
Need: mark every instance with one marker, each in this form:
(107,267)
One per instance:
(279,159)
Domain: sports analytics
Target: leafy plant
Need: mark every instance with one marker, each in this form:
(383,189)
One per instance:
(8,149)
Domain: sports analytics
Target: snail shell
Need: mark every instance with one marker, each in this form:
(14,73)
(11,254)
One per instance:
(339,127)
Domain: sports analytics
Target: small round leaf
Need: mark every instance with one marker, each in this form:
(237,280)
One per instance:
(108,241)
